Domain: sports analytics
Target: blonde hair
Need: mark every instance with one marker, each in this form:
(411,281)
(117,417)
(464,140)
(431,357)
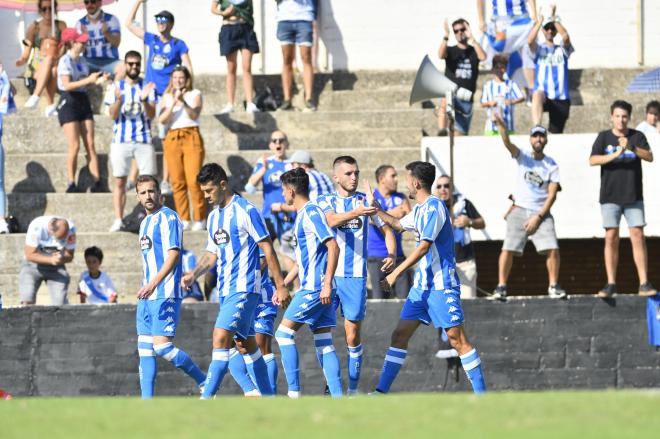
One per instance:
(186,73)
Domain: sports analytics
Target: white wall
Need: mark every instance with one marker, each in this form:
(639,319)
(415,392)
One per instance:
(390,34)
(485,174)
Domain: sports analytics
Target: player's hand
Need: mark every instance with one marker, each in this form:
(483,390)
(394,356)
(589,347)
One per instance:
(276,207)
(57,259)
(146,291)
(146,91)
(387,283)
(282,298)
(229,11)
(326,295)
(468,32)
(532,224)
(104,28)
(370,195)
(93,77)
(362,209)
(187,280)
(461,221)
(83,28)
(388,264)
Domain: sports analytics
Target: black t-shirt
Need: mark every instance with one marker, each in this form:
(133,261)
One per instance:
(462,66)
(464,251)
(621,179)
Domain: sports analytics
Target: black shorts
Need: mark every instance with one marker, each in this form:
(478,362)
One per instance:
(558,111)
(74,106)
(235,37)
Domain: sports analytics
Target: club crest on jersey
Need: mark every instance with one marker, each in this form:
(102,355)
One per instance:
(131,110)
(274,178)
(221,238)
(352,226)
(145,244)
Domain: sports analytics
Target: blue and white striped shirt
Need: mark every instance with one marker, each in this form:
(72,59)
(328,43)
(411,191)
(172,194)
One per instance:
(160,232)
(132,125)
(500,91)
(509,8)
(319,184)
(352,237)
(267,287)
(98,45)
(552,70)
(233,235)
(311,232)
(430,222)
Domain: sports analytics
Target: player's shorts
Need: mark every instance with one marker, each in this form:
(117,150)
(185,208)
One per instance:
(264,318)
(352,296)
(237,314)
(157,317)
(306,307)
(440,307)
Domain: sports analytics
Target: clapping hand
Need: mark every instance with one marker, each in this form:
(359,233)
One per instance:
(146,91)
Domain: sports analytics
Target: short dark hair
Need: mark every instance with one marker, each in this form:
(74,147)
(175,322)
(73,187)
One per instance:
(95,252)
(344,159)
(619,103)
(298,179)
(132,54)
(422,171)
(653,105)
(500,60)
(145,178)
(381,170)
(459,21)
(211,172)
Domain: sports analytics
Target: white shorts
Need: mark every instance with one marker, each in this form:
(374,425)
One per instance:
(121,155)
(467,274)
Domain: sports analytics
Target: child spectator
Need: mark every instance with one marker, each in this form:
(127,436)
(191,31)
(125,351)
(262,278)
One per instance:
(650,124)
(499,95)
(95,287)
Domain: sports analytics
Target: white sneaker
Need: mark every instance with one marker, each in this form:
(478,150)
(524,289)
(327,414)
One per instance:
(165,188)
(50,110)
(229,108)
(116,225)
(32,102)
(293,394)
(255,393)
(4,227)
(251,108)
(446,353)
(186,225)
(197,226)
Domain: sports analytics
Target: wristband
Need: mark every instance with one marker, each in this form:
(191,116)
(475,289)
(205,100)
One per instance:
(540,216)
(445,38)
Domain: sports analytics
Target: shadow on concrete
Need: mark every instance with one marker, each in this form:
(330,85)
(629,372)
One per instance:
(37,180)
(250,137)
(239,172)
(330,34)
(85,180)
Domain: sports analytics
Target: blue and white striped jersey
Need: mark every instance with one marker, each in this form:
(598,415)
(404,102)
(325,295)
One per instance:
(552,70)
(352,237)
(233,235)
(509,8)
(160,232)
(267,287)
(132,125)
(96,290)
(311,231)
(98,45)
(430,222)
(500,91)
(319,184)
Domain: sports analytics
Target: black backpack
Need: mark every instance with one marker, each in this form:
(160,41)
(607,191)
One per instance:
(265,100)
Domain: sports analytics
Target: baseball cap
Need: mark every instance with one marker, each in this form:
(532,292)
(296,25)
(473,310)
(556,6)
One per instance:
(547,20)
(166,14)
(301,157)
(538,129)
(73,34)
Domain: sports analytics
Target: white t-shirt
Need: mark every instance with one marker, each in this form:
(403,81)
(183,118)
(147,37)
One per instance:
(647,128)
(37,236)
(180,118)
(534,176)
(97,290)
(76,69)
(294,10)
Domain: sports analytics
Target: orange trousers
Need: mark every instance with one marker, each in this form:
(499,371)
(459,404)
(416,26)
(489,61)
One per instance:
(184,153)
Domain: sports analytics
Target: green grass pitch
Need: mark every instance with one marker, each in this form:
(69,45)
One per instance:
(567,414)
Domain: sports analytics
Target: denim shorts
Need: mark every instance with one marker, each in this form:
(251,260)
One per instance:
(634,213)
(462,115)
(297,32)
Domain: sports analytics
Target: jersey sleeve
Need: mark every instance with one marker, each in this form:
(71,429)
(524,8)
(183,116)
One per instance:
(109,286)
(408,221)
(175,232)
(641,142)
(256,226)
(32,235)
(515,91)
(432,222)
(325,204)
(598,148)
(554,174)
(183,47)
(64,66)
(71,238)
(257,167)
(320,226)
(151,98)
(82,286)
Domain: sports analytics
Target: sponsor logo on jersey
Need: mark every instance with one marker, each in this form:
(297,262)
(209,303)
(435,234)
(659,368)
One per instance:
(146,244)
(221,238)
(352,225)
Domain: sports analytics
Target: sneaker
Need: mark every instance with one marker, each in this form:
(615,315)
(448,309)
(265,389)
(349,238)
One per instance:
(197,226)
(443,132)
(229,108)
(165,188)
(293,394)
(96,187)
(376,392)
(50,110)
(607,291)
(186,225)
(32,102)
(556,292)
(251,108)
(443,354)
(71,188)
(254,393)
(4,227)
(645,289)
(285,106)
(499,293)
(326,391)
(309,106)
(116,225)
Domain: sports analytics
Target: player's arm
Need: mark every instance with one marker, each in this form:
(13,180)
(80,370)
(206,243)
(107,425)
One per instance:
(206,262)
(506,140)
(442,51)
(643,150)
(390,244)
(336,219)
(282,296)
(401,210)
(333,260)
(291,275)
(67,255)
(481,13)
(420,251)
(195,109)
(170,263)
(130,20)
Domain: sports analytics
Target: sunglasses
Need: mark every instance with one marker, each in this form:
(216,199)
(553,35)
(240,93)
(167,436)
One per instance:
(538,135)
(46,9)
(90,2)
(460,29)
(133,64)
(443,186)
(278,140)
(162,20)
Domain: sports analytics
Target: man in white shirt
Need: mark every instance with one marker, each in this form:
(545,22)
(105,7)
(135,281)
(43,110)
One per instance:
(650,125)
(537,184)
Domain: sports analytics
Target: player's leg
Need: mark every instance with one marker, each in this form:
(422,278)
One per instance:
(238,370)
(396,353)
(285,337)
(469,357)
(352,293)
(256,364)
(146,352)
(223,341)
(329,360)
(264,327)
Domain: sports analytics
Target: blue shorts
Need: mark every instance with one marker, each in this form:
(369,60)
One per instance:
(306,308)
(352,296)
(106,65)
(633,212)
(297,32)
(443,308)
(264,318)
(157,317)
(462,115)
(237,314)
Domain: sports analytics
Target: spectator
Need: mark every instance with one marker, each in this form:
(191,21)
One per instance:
(184,147)
(319,183)
(499,95)
(50,243)
(395,204)
(7,105)
(132,105)
(188,263)
(40,36)
(95,287)
(104,32)
(551,88)
(464,217)
(650,124)
(619,153)
(74,110)
(462,67)
(295,20)
(237,35)
(537,184)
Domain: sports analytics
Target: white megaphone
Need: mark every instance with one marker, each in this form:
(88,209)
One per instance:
(430,83)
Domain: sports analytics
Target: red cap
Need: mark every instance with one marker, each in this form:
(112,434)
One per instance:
(73,34)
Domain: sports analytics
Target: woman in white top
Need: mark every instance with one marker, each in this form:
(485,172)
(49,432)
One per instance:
(183,146)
